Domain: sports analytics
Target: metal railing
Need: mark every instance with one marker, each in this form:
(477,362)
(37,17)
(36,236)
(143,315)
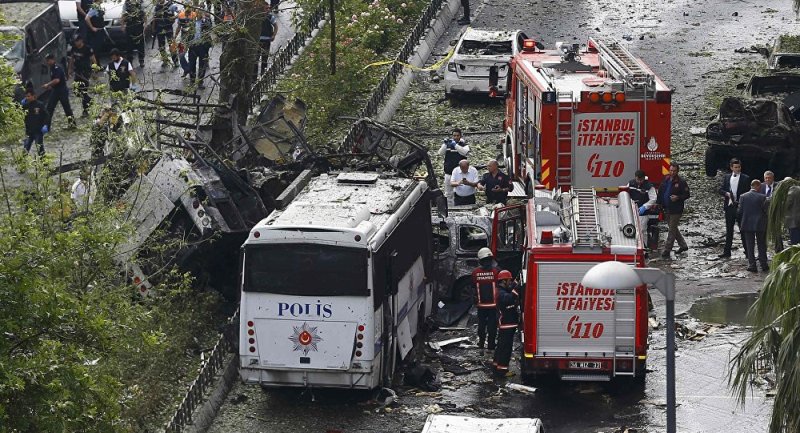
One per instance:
(283,58)
(385,86)
(204,381)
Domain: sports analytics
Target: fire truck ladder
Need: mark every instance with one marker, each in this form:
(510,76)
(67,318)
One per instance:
(622,65)
(585,228)
(624,331)
(566,107)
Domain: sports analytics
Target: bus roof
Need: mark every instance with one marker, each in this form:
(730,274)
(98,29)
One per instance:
(20,14)
(343,201)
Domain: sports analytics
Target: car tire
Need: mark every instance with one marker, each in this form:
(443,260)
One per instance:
(711,164)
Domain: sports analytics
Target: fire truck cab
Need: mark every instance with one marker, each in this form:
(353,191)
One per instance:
(577,333)
(584,116)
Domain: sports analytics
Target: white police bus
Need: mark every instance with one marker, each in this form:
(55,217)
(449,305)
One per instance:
(336,285)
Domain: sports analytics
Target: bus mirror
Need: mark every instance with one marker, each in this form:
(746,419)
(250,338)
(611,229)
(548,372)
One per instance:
(441,205)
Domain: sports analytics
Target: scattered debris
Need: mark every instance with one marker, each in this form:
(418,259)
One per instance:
(521,388)
(422,376)
(697,131)
(654,324)
(438,345)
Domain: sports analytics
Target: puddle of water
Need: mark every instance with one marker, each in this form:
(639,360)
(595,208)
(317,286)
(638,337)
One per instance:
(730,309)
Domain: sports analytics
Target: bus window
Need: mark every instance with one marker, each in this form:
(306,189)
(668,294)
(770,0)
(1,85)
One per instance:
(472,238)
(306,270)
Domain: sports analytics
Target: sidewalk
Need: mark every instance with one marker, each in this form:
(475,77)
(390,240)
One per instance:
(71,146)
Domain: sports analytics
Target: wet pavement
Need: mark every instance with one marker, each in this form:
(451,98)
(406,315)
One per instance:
(691,47)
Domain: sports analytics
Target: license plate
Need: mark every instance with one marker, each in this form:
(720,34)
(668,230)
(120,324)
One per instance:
(586,365)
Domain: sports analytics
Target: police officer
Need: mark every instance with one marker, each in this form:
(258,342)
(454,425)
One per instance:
(453,150)
(96,22)
(642,192)
(269,28)
(199,48)
(186,18)
(507,320)
(36,119)
(133,26)
(485,279)
(59,92)
(81,60)
(120,72)
(163,22)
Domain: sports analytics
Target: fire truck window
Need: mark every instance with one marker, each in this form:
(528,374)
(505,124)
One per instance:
(441,239)
(485,48)
(472,238)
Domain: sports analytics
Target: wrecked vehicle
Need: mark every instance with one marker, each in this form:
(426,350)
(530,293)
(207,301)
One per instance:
(437,423)
(785,53)
(761,132)
(475,53)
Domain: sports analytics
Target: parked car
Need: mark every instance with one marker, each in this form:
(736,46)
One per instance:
(36,28)
(761,132)
(113,11)
(474,54)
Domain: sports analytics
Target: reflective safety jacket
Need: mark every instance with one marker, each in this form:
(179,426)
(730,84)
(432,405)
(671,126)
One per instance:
(507,303)
(485,281)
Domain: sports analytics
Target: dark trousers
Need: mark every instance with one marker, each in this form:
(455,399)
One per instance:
(136,38)
(38,138)
(265,47)
(59,95)
(96,40)
(465,5)
(463,200)
(82,89)
(165,38)
(505,345)
(753,240)
(730,221)
(487,321)
(198,53)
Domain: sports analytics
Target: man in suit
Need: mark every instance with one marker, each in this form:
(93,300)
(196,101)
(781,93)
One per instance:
(753,222)
(767,188)
(733,186)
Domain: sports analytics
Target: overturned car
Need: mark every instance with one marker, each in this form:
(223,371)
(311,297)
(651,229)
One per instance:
(762,132)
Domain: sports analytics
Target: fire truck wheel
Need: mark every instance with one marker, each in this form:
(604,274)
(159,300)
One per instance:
(711,161)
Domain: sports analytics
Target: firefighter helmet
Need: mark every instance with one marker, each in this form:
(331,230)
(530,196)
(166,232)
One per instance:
(484,253)
(504,275)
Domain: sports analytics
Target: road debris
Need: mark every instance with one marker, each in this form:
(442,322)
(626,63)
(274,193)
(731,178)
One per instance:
(521,388)
(440,344)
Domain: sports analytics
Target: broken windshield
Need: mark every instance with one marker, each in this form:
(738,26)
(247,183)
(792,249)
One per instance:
(788,61)
(485,48)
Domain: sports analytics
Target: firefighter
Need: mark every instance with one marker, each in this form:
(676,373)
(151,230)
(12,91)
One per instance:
(507,320)
(485,279)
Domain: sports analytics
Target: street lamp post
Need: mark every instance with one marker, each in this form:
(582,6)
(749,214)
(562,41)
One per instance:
(618,275)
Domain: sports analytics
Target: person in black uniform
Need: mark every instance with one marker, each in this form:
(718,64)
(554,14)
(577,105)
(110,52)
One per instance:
(507,320)
(82,7)
(96,22)
(733,186)
(199,48)
(81,59)
(465,20)
(453,150)
(269,28)
(163,22)
(59,92)
(133,26)
(36,119)
(496,184)
(485,279)
(120,72)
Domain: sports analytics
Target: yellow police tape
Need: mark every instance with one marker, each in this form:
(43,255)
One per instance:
(432,67)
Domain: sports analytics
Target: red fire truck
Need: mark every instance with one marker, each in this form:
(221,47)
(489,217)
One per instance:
(575,332)
(584,117)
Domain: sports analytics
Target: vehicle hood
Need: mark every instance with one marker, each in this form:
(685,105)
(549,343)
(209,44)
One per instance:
(68,11)
(480,59)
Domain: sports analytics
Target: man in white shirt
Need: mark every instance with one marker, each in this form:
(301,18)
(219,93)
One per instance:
(80,193)
(464,179)
(733,186)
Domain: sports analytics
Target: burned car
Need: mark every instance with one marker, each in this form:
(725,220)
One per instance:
(761,132)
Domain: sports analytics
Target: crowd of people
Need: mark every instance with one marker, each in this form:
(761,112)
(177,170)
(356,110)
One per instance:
(462,180)
(185,35)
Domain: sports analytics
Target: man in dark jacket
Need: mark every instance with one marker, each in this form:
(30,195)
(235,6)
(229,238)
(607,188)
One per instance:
(672,194)
(163,22)
(507,320)
(36,119)
(269,28)
(59,92)
(199,48)
(484,278)
(733,186)
(753,223)
(453,150)
(133,25)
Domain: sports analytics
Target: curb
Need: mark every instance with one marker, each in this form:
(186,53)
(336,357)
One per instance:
(421,55)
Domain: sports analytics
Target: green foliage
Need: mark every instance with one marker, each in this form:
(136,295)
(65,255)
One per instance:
(776,340)
(366,33)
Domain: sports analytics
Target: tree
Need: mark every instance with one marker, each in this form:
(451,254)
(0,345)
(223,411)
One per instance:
(776,336)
